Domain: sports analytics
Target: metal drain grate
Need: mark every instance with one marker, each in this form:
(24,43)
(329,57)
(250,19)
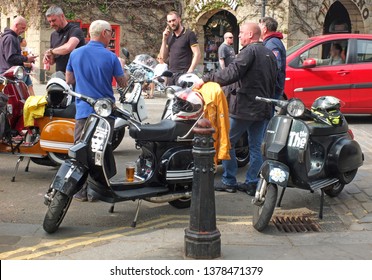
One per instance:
(295,224)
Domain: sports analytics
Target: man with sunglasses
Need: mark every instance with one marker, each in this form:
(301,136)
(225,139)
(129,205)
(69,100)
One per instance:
(66,37)
(91,69)
(226,53)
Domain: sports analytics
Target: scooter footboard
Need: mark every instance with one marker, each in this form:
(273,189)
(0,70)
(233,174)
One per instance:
(275,172)
(70,178)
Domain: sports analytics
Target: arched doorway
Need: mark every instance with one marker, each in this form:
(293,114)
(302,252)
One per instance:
(337,19)
(214,29)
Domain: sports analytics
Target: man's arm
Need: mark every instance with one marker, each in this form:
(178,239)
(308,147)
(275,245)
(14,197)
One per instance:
(164,51)
(122,81)
(66,48)
(70,78)
(222,63)
(195,59)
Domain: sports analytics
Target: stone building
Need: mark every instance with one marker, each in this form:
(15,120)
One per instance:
(140,28)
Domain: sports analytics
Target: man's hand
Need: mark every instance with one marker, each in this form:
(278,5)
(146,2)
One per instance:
(31,58)
(166,33)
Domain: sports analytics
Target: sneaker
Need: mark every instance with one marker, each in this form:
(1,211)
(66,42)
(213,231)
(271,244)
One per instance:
(221,187)
(81,195)
(250,188)
(91,198)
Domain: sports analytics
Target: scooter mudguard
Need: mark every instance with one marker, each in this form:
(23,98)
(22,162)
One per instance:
(70,178)
(58,136)
(345,155)
(275,172)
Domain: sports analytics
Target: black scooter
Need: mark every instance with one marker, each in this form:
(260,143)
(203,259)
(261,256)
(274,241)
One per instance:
(163,170)
(306,149)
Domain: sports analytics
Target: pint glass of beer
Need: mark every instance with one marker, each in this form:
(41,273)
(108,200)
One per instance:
(129,170)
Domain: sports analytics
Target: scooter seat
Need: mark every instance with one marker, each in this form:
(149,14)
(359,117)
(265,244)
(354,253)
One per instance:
(68,112)
(166,130)
(319,129)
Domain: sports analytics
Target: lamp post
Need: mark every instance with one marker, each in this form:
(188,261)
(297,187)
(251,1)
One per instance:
(263,8)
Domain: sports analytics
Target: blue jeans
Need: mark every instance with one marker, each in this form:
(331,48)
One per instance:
(255,131)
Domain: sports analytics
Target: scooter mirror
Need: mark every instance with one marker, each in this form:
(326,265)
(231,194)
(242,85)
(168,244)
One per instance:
(125,52)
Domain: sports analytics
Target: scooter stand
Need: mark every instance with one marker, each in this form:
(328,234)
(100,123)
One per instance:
(16,167)
(111,210)
(134,223)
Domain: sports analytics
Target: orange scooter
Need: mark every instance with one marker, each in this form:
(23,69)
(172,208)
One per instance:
(47,140)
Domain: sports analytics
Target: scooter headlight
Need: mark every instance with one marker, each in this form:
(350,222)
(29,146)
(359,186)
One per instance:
(103,107)
(19,72)
(295,108)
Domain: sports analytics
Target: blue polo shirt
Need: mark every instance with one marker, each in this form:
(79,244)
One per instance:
(94,68)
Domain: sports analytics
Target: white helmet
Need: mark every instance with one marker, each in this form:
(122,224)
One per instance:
(187,80)
(187,105)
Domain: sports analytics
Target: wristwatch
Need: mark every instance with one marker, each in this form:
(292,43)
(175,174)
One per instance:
(51,51)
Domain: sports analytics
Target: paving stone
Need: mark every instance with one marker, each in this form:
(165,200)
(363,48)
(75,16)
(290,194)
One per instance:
(352,203)
(367,206)
(352,189)
(359,212)
(356,227)
(347,219)
(361,197)
(340,209)
(366,219)
(368,191)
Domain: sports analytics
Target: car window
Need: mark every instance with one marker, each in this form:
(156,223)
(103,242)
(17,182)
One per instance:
(297,46)
(364,51)
(325,54)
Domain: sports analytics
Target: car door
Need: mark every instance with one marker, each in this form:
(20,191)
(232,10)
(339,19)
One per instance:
(323,78)
(361,86)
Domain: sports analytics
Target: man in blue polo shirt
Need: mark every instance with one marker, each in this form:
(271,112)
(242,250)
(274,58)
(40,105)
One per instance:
(91,69)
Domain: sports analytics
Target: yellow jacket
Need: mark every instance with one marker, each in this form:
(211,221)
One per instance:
(34,108)
(216,111)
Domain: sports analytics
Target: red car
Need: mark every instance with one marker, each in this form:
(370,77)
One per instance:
(312,71)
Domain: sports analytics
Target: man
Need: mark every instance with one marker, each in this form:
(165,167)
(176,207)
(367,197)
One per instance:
(254,73)
(91,69)
(226,53)
(66,37)
(10,48)
(181,46)
(273,41)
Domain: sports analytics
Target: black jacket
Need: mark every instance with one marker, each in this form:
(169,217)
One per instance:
(10,50)
(253,73)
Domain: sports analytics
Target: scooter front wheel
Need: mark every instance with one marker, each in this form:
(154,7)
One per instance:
(56,212)
(263,213)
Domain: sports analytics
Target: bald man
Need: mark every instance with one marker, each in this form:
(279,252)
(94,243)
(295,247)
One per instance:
(10,47)
(226,53)
(254,73)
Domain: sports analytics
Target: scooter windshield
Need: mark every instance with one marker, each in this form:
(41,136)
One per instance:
(146,61)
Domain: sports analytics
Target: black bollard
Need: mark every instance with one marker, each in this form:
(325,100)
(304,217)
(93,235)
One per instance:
(202,238)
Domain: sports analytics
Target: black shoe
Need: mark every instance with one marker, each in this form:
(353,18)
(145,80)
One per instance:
(221,187)
(250,188)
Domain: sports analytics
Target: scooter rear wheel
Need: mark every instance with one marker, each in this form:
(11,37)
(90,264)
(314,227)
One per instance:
(263,213)
(56,212)
(334,190)
(181,203)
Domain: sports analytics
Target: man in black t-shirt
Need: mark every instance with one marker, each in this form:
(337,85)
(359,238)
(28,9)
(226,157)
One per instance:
(66,37)
(181,46)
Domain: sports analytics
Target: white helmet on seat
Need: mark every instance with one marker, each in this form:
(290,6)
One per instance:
(187,80)
(187,105)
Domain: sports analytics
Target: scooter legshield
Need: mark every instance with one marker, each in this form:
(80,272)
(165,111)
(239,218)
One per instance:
(275,172)
(70,177)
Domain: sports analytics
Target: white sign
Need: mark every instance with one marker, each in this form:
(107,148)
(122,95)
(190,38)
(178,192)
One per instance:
(202,3)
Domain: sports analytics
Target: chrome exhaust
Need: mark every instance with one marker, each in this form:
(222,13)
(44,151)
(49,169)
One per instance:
(168,197)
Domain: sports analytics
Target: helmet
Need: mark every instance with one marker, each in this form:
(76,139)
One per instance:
(187,80)
(56,96)
(328,109)
(187,105)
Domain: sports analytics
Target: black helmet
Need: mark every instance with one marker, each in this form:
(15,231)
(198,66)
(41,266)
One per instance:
(328,109)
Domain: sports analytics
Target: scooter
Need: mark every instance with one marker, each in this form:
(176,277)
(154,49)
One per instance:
(305,149)
(48,140)
(163,170)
